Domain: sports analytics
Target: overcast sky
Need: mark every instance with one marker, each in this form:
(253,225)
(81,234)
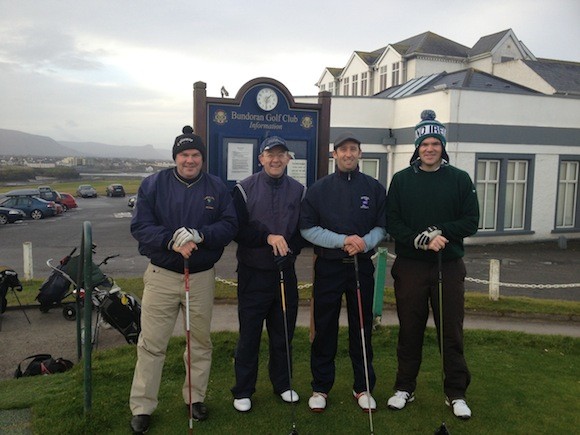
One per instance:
(122,71)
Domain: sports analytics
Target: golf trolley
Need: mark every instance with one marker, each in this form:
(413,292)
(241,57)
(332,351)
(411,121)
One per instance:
(117,308)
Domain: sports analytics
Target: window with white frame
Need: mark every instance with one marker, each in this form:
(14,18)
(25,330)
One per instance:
(395,74)
(487,192)
(331,88)
(354,85)
(383,77)
(363,83)
(515,198)
(322,88)
(503,191)
(345,84)
(567,201)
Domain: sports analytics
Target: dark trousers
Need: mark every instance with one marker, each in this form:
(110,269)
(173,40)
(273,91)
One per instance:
(259,300)
(332,279)
(417,285)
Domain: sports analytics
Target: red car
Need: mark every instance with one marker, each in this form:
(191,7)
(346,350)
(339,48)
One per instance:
(67,201)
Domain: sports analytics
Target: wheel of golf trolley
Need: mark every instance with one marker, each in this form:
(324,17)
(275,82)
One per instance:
(69,312)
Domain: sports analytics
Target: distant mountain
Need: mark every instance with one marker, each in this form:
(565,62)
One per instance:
(95,149)
(17,143)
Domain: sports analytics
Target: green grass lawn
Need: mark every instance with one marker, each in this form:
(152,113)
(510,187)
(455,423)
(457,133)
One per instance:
(131,185)
(521,384)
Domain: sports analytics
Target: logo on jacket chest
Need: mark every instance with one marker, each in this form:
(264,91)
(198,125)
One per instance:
(365,202)
(209,202)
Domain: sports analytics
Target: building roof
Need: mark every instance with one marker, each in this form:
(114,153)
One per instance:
(487,43)
(469,78)
(335,71)
(370,57)
(563,76)
(430,43)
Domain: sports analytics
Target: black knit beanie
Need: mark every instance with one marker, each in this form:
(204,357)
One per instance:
(187,141)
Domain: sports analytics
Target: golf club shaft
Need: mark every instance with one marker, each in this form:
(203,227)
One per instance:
(440,287)
(443,428)
(187,338)
(363,342)
(285,317)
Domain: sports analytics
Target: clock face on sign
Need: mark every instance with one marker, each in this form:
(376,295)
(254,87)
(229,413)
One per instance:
(267,99)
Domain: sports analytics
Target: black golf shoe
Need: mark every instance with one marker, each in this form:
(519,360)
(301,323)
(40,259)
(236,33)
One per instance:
(140,423)
(198,411)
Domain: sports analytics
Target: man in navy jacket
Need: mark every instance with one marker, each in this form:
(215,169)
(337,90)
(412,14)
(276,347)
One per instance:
(268,208)
(182,213)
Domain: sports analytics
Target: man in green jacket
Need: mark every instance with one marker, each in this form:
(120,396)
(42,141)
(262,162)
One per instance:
(431,207)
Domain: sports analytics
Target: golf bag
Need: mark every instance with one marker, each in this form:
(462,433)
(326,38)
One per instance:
(119,309)
(42,364)
(8,281)
(56,287)
(123,312)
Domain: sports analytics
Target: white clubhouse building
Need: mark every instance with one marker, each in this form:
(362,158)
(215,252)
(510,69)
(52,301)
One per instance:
(513,123)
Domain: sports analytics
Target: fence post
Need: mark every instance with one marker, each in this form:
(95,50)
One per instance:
(494,280)
(28,262)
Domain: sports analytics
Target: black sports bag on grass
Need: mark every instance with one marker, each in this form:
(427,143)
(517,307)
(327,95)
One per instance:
(43,364)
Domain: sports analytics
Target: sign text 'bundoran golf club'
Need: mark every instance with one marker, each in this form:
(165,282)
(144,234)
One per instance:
(269,121)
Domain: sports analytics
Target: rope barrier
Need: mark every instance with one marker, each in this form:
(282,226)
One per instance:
(474,280)
(515,285)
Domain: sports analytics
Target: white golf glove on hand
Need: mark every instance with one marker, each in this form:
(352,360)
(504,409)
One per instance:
(183,235)
(423,239)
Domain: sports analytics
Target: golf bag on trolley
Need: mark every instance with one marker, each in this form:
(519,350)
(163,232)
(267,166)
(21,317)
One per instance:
(117,308)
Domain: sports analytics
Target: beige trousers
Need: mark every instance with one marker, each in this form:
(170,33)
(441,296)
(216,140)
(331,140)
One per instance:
(163,298)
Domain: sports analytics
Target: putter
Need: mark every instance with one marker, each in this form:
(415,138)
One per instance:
(283,298)
(363,342)
(441,430)
(187,330)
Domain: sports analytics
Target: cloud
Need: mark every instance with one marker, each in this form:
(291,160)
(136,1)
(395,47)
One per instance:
(122,72)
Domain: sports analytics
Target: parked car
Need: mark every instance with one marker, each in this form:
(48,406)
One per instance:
(115,190)
(33,206)
(132,201)
(47,193)
(86,191)
(10,215)
(67,201)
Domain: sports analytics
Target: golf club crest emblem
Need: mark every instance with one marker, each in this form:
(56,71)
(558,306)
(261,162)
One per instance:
(307,122)
(220,117)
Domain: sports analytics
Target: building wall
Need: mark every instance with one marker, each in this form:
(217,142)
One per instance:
(425,66)
(518,72)
(355,67)
(478,122)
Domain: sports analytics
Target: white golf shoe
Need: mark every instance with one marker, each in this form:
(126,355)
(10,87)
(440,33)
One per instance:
(400,399)
(243,405)
(290,396)
(365,401)
(460,408)
(317,402)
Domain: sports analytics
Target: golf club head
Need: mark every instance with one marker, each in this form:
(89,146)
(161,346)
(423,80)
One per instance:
(293,432)
(442,430)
